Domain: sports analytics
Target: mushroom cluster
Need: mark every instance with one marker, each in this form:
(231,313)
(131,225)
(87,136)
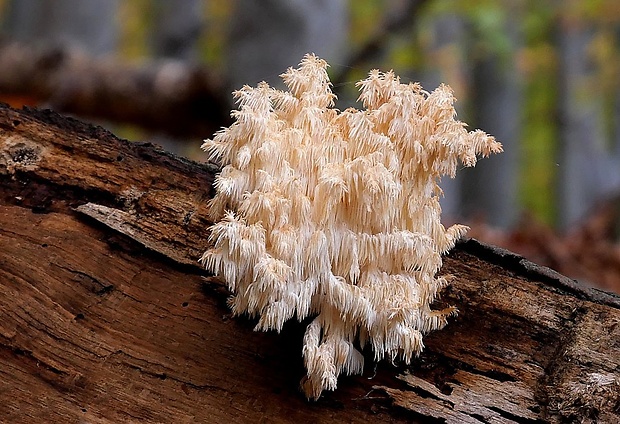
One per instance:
(335,215)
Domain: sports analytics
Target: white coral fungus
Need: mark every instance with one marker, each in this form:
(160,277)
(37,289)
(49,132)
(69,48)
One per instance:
(336,214)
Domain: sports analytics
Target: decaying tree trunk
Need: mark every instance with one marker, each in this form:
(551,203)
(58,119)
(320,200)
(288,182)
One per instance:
(107,317)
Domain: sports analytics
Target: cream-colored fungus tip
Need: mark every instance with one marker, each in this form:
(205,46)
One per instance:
(336,215)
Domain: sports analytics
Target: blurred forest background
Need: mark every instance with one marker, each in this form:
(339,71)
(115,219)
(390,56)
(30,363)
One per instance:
(543,76)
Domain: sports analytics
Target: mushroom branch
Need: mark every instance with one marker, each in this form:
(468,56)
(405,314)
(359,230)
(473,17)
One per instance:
(336,215)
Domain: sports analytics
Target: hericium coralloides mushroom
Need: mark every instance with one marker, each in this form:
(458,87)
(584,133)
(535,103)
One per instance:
(336,215)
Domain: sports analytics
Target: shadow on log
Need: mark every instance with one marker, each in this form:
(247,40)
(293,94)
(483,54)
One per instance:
(107,317)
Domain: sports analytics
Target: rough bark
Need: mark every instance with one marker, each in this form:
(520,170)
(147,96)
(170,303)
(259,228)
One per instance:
(175,97)
(107,317)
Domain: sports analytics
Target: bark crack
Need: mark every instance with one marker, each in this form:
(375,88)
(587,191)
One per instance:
(545,390)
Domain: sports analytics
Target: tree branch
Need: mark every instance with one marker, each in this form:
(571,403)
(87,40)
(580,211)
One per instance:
(175,97)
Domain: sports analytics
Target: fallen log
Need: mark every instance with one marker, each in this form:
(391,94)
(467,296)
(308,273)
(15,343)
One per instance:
(108,317)
(174,97)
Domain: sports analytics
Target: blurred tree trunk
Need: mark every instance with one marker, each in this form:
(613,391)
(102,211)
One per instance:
(448,32)
(616,153)
(177,29)
(107,317)
(588,168)
(89,25)
(489,191)
(267,37)
(175,36)
(491,90)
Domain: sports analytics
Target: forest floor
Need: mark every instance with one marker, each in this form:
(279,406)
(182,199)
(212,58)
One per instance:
(588,252)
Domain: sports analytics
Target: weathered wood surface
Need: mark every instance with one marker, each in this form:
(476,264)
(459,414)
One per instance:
(105,315)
